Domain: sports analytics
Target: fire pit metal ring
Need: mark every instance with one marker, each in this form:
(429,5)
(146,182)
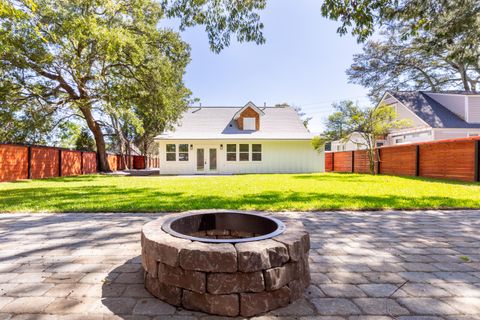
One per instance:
(191,225)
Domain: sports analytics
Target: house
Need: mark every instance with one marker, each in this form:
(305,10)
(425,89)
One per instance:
(433,116)
(233,140)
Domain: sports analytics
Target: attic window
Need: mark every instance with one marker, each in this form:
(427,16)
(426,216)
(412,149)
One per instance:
(249,123)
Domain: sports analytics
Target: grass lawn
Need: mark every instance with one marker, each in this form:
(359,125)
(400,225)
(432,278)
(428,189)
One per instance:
(99,193)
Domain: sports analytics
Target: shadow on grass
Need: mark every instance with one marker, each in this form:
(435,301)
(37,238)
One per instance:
(359,177)
(113,199)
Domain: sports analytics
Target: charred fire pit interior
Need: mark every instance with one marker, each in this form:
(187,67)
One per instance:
(225,263)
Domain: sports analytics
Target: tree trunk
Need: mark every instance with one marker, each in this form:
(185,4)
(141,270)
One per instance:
(104,166)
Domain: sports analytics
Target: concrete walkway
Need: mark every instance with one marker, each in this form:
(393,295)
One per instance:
(391,264)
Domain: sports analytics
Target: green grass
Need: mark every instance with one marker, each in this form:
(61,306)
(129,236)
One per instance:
(100,193)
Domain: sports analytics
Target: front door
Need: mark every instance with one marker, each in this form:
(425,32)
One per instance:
(206,160)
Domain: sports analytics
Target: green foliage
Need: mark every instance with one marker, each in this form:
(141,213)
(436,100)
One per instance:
(422,44)
(393,62)
(95,58)
(23,119)
(318,142)
(445,20)
(69,133)
(269,192)
(369,123)
(84,141)
(221,18)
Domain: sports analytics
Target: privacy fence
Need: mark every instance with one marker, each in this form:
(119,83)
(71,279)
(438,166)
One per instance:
(456,159)
(36,162)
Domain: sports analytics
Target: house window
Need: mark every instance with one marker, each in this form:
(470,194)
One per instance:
(473,134)
(244,152)
(379,144)
(231,152)
(183,152)
(400,140)
(171,152)
(249,123)
(256,152)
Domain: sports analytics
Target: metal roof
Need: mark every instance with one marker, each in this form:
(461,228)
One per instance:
(198,123)
(431,111)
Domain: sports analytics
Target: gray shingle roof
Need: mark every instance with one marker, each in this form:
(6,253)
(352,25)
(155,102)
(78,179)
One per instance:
(280,123)
(430,111)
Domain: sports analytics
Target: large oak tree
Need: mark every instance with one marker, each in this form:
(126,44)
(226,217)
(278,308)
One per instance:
(100,58)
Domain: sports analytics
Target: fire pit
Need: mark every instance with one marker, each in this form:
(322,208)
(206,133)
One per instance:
(226,263)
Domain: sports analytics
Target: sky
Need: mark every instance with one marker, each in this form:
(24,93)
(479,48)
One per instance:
(302,63)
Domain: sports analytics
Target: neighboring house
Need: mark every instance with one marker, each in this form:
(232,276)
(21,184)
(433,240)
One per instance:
(230,140)
(433,115)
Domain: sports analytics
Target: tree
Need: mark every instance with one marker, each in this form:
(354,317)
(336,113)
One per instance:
(221,19)
(369,123)
(84,141)
(24,119)
(74,53)
(446,20)
(396,63)
(100,57)
(429,43)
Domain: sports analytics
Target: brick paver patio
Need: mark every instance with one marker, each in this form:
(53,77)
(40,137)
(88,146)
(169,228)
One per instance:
(370,265)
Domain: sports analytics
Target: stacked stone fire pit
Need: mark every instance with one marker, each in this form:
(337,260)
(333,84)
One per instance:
(226,263)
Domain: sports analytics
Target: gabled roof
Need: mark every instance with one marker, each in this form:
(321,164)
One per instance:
(430,111)
(251,105)
(277,123)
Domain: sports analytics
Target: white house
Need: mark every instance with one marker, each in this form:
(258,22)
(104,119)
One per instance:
(234,140)
(433,116)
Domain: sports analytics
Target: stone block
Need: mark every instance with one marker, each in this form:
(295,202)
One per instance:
(165,292)
(275,278)
(261,255)
(296,239)
(255,303)
(187,279)
(209,257)
(297,289)
(160,246)
(224,283)
(223,305)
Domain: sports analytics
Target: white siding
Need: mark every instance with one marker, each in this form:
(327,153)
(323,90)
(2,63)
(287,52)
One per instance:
(277,157)
(443,134)
(474,109)
(405,113)
(410,137)
(455,103)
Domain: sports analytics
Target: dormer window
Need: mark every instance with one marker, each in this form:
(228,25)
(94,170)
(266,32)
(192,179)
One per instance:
(249,123)
(248,117)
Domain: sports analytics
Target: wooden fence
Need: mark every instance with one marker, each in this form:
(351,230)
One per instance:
(456,159)
(35,162)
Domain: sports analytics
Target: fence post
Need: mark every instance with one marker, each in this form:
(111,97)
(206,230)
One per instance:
(29,163)
(353,161)
(417,160)
(59,162)
(333,161)
(378,160)
(81,162)
(477,162)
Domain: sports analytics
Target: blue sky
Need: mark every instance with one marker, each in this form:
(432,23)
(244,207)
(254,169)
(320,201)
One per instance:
(303,63)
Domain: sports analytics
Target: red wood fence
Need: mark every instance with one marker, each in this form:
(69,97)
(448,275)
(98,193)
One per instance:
(36,162)
(456,159)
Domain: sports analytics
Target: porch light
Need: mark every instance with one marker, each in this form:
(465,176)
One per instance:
(221,147)
(191,147)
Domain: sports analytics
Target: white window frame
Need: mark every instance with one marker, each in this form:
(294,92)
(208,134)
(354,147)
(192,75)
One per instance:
(256,152)
(249,124)
(174,152)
